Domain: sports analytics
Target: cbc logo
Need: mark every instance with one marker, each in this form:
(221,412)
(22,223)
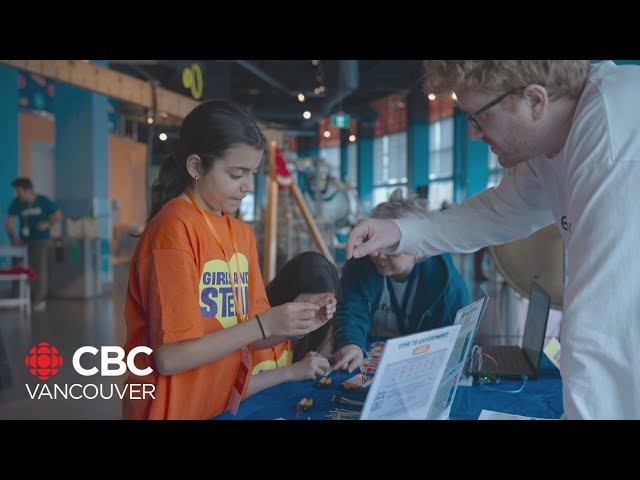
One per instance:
(44,361)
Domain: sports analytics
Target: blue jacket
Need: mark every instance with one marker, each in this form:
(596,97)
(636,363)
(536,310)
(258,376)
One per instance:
(440,293)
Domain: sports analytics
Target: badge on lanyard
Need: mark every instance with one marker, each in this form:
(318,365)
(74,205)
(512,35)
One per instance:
(241,383)
(401,311)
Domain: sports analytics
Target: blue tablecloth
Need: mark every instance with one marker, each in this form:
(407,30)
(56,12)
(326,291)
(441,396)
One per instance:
(540,398)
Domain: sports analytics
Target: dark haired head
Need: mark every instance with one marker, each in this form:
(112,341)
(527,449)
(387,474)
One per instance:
(22,182)
(209,131)
(308,272)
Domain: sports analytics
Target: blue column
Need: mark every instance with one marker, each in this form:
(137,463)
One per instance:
(344,154)
(365,166)
(82,162)
(471,161)
(419,154)
(418,133)
(460,139)
(477,167)
(9,159)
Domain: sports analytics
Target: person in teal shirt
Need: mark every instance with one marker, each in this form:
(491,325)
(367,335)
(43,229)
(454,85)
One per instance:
(37,214)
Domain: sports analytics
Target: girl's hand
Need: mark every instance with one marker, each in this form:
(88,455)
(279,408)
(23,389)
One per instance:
(311,366)
(326,301)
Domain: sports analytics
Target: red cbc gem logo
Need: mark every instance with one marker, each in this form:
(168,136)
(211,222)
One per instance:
(43,361)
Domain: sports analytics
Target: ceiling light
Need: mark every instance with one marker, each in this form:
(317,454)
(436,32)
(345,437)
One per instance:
(149,120)
(431,96)
(454,96)
(314,62)
(162,136)
(352,138)
(327,134)
(301,97)
(307,114)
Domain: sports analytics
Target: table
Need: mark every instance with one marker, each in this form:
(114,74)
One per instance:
(540,398)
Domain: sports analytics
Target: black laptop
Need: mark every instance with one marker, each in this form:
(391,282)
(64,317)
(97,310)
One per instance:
(512,361)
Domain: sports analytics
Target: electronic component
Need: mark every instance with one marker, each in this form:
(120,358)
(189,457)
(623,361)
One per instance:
(324,382)
(305,404)
(351,387)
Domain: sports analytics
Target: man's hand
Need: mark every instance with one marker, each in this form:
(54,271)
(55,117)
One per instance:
(371,235)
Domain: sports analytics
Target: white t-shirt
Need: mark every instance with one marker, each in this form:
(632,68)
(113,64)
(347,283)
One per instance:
(591,190)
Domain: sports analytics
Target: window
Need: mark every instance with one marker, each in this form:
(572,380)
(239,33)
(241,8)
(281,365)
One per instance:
(440,162)
(495,170)
(390,167)
(248,208)
(331,155)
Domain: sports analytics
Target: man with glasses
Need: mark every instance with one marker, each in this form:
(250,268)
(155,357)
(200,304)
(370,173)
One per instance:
(568,134)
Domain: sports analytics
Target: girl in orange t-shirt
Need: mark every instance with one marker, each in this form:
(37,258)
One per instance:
(195,294)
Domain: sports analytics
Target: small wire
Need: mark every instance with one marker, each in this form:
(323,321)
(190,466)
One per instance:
(472,356)
(495,362)
(477,356)
(524,382)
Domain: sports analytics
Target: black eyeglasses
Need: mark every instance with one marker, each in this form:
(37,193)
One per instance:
(472,117)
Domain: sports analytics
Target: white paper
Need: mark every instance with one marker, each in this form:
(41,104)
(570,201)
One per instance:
(409,370)
(467,318)
(491,415)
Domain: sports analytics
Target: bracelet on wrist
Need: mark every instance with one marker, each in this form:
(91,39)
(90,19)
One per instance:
(261,327)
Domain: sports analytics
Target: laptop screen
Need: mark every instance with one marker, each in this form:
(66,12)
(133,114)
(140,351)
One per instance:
(536,323)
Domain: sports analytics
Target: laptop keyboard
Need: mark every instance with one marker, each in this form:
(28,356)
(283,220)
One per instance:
(510,360)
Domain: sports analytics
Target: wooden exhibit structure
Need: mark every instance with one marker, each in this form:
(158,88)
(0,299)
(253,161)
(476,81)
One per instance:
(271,219)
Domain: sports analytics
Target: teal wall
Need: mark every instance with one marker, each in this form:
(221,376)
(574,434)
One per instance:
(9,140)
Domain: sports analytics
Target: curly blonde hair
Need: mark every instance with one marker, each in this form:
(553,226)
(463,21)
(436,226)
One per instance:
(397,206)
(561,78)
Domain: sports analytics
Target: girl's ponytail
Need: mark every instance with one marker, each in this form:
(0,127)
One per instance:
(171,182)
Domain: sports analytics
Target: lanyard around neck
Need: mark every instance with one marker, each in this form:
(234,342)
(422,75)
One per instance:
(401,313)
(234,244)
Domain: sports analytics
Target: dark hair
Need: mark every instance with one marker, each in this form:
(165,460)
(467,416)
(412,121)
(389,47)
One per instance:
(308,272)
(209,131)
(22,182)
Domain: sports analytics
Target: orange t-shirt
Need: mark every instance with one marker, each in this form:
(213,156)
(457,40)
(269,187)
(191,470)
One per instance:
(179,289)
(277,356)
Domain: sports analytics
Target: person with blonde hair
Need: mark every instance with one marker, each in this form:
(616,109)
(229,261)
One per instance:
(388,295)
(568,134)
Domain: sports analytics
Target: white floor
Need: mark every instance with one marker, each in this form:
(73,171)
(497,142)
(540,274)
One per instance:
(67,324)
